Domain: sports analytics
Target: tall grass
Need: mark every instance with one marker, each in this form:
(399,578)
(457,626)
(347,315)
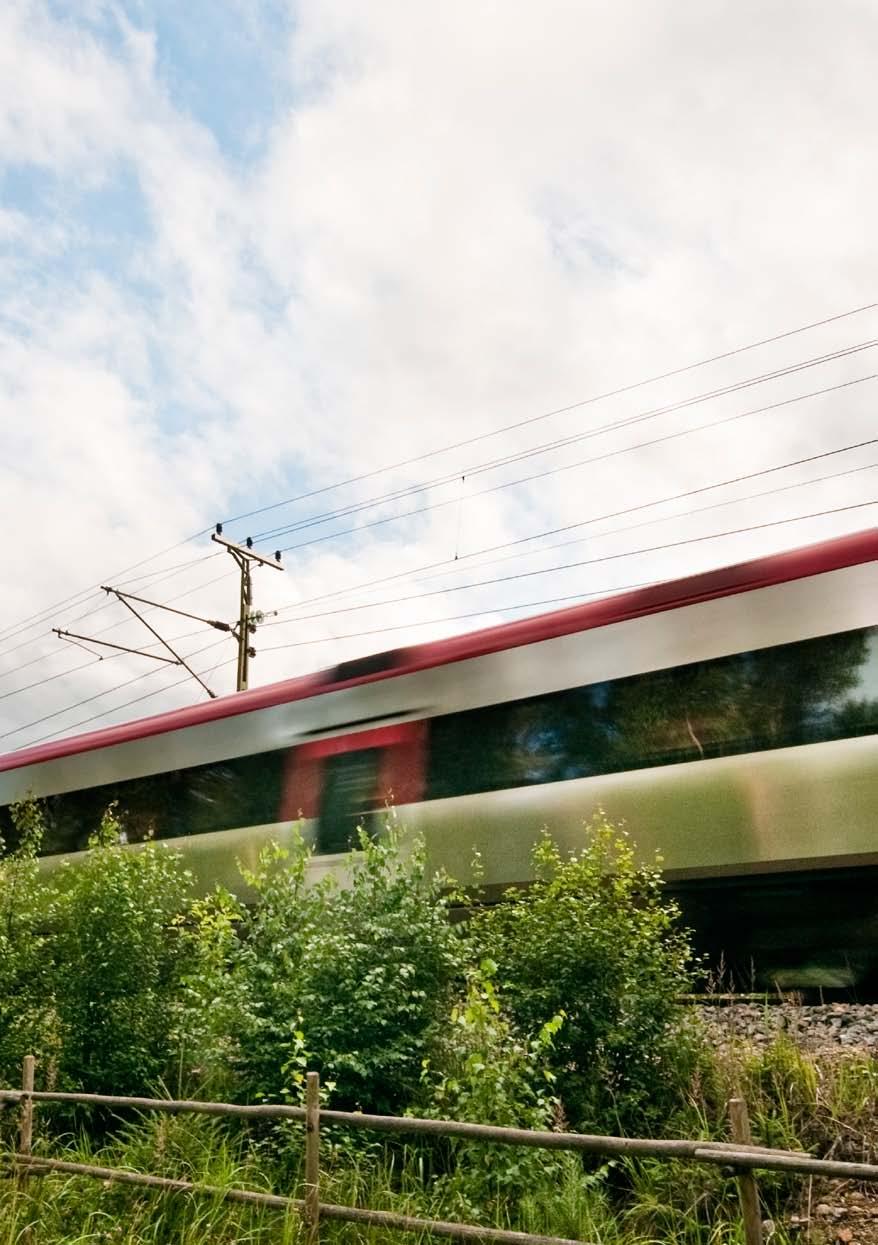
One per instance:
(826,1104)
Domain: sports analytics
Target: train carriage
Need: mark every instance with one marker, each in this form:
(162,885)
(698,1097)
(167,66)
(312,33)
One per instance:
(729,718)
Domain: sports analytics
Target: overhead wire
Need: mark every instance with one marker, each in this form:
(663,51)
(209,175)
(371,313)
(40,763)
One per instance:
(562,442)
(553,531)
(520,575)
(597,458)
(97,657)
(52,609)
(97,609)
(691,492)
(49,679)
(106,692)
(502,609)
(106,603)
(428,622)
(49,611)
(559,443)
(584,462)
(553,600)
(562,410)
(668,518)
(628,553)
(118,708)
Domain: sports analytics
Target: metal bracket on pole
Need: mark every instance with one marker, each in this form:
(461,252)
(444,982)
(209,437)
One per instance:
(241,631)
(180,661)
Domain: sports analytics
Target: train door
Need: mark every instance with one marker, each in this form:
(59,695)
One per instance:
(350,780)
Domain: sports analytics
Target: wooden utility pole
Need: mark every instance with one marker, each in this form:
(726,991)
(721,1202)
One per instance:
(248,618)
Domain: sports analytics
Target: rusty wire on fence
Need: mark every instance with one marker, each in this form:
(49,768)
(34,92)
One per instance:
(739,1155)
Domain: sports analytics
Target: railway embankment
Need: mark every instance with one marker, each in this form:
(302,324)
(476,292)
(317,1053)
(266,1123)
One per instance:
(816,1028)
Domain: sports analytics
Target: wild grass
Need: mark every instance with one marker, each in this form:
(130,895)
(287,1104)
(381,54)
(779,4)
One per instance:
(824,1103)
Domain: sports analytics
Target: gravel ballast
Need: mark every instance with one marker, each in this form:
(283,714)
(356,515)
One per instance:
(818,1027)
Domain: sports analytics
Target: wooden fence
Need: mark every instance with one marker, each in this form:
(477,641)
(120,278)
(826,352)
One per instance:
(739,1156)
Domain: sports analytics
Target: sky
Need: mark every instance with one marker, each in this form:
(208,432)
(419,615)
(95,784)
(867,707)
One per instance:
(342,276)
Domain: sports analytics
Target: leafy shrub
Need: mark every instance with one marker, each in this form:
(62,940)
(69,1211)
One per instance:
(27,1019)
(486,1072)
(352,980)
(208,1005)
(595,938)
(120,959)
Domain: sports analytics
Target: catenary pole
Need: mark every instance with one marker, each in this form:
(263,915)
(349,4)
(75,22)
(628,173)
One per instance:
(248,618)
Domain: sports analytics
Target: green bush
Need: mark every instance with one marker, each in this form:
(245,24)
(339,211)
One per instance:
(594,938)
(353,980)
(486,1072)
(27,1017)
(119,960)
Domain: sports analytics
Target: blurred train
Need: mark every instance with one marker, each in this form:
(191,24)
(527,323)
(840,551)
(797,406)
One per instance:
(729,719)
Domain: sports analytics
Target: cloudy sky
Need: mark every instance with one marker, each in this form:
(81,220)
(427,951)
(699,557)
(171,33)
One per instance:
(368,269)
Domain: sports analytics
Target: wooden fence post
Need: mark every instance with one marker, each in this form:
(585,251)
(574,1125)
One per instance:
(26,1125)
(747,1190)
(312,1158)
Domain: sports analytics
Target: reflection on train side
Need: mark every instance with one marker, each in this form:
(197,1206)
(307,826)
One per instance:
(808,692)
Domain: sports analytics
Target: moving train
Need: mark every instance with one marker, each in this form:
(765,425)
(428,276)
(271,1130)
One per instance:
(730,719)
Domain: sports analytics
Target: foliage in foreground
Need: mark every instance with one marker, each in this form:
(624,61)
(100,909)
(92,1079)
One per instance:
(556,1009)
(533,1014)
(119,980)
(595,941)
(354,982)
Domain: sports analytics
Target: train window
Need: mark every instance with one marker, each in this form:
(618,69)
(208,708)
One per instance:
(806,692)
(223,795)
(244,791)
(350,791)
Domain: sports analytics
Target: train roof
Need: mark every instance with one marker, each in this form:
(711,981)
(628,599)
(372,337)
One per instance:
(779,568)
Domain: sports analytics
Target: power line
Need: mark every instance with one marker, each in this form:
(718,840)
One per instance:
(561,443)
(428,622)
(104,605)
(522,605)
(137,700)
(187,635)
(420,596)
(584,462)
(565,467)
(49,610)
(97,696)
(50,678)
(117,708)
(563,410)
(692,492)
(668,518)
(675,544)
(450,563)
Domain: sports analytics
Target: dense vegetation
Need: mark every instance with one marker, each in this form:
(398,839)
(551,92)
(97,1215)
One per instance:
(554,1009)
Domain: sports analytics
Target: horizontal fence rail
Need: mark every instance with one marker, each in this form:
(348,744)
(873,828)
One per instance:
(703,1151)
(348,1214)
(739,1157)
